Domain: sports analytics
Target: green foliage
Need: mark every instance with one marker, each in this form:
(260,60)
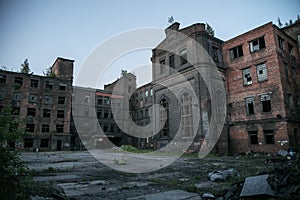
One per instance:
(210,30)
(49,73)
(129,148)
(25,67)
(15,182)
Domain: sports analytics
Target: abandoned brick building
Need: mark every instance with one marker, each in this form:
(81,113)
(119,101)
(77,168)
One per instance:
(43,102)
(262,81)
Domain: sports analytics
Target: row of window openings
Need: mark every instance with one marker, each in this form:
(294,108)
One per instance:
(183,60)
(146,92)
(105,101)
(45,128)
(261,71)
(33,98)
(256,45)
(32,112)
(33,83)
(28,142)
(265,103)
(268,137)
(107,128)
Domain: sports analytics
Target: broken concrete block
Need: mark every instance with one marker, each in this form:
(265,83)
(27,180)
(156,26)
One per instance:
(257,187)
(283,153)
(120,161)
(208,196)
(221,175)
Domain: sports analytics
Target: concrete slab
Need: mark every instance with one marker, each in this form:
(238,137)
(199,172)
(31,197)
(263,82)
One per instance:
(169,195)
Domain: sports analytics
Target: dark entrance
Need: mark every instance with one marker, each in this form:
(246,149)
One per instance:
(58,145)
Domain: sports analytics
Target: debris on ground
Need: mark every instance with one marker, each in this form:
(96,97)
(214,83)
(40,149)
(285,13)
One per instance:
(208,196)
(221,175)
(120,161)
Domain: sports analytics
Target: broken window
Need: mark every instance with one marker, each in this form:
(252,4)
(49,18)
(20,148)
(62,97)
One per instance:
(280,42)
(261,72)
(17,96)
(257,44)
(106,101)
(164,117)
(290,48)
(2,95)
(30,128)
(60,114)
(34,83)
(250,105)
(253,137)
(99,100)
(266,102)
(19,81)
(61,100)
(86,99)
(59,128)
(28,142)
(247,76)
(214,53)
(186,115)
(49,85)
(172,61)
(48,100)
(162,66)
(46,113)
(45,128)
(236,52)
(183,57)
(62,86)
(2,79)
(269,136)
(31,112)
(16,110)
(44,142)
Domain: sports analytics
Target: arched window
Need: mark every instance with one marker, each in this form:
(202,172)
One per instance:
(186,115)
(164,118)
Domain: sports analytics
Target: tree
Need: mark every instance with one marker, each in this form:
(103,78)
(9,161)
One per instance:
(49,73)
(25,67)
(15,182)
(279,22)
(210,30)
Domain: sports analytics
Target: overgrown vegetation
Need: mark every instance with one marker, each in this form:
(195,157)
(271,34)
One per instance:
(289,23)
(49,73)
(25,67)
(15,181)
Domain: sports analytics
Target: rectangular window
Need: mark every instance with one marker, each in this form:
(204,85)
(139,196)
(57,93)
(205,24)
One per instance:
(269,136)
(34,83)
(19,81)
(105,128)
(59,128)
(266,102)
(183,57)
(2,79)
(257,44)
(215,53)
(250,105)
(44,142)
(28,142)
(151,92)
(86,99)
(46,113)
(2,95)
(49,85)
(106,101)
(61,100)
(62,86)
(99,113)
(99,100)
(280,42)
(290,48)
(253,137)
(16,110)
(172,61)
(236,52)
(30,128)
(146,93)
(31,112)
(45,128)
(162,66)
(17,96)
(106,113)
(247,76)
(33,98)
(48,100)
(60,114)
(261,72)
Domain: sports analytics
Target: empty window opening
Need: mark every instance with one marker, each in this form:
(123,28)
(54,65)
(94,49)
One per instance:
(33,98)
(257,44)
(250,105)
(44,142)
(48,100)
(162,66)
(46,113)
(247,76)
(60,114)
(34,83)
(16,110)
(280,42)
(59,128)
(164,117)
(236,52)
(49,85)
(2,79)
(19,81)
(86,99)
(290,48)
(183,57)
(261,72)
(172,61)
(17,96)
(31,112)
(30,128)
(215,53)
(253,137)
(61,100)
(28,142)
(62,86)
(266,102)
(45,128)
(186,115)
(269,136)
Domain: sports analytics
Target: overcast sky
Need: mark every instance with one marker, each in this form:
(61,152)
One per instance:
(44,30)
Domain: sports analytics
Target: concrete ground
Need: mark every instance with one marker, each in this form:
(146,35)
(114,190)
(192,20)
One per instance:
(79,175)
